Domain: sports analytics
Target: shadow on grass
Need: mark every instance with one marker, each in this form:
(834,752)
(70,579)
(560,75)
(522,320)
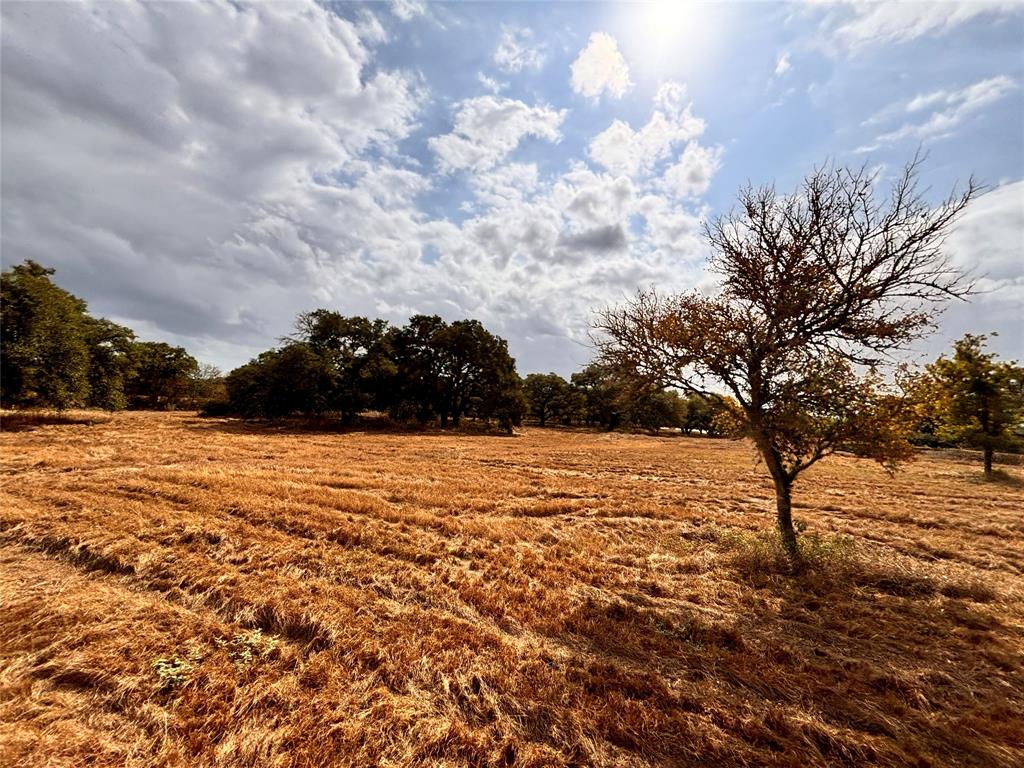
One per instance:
(21,421)
(999,477)
(362,425)
(856,659)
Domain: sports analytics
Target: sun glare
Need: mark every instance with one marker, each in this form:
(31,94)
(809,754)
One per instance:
(664,37)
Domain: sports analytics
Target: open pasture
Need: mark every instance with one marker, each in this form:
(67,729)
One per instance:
(556,598)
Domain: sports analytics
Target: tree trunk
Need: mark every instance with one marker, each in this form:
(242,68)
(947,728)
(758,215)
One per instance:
(784,520)
(783,500)
(988,460)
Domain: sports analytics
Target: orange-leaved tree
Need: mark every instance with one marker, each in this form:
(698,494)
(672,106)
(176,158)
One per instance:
(817,290)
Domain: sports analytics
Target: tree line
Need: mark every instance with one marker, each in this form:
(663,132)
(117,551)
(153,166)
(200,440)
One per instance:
(602,396)
(56,355)
(339,365)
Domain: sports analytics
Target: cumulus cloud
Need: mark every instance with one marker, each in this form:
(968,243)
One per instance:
(516,50)
(988,241)
(691,175)
(488,128)
(600,69)
(623,150)
(204,193)
(182,163)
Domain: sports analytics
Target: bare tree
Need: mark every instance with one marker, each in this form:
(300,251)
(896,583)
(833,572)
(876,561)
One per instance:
(817,290)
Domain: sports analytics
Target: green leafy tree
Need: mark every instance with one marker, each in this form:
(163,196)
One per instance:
(357,353)
(700,415)
(417,386)
(652,410)
(295,379)
(974,399)
(207,386)
(161,375)
(546,395)
(44,361)
(600,390)
(817,289)
(110,363)
(475,367)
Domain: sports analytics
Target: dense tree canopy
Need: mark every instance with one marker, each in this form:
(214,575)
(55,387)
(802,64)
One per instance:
(427,369)
(55,355)
(45,335)
(817,288)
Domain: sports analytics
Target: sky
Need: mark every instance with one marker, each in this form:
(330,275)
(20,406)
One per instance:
(204,172)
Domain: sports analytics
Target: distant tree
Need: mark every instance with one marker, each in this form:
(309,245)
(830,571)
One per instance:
(475,367)
(110,363)
(247,387)
(416,387)
(817,288)
(700,414)
(161,375)
(652,410)
(545,395)
(44,360)
(600,390)
(357,354)
(502,399)
(207,386)
(974,399)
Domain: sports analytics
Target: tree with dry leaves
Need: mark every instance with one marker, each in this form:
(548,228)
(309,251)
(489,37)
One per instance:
(818,289)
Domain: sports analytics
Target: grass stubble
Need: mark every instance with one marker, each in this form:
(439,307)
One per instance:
(177,591)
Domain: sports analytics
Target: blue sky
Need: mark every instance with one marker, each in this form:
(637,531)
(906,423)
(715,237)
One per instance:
(203,173)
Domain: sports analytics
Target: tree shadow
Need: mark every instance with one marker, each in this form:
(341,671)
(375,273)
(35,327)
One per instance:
(863,666)
(22,421)
(999,477)
(313,426)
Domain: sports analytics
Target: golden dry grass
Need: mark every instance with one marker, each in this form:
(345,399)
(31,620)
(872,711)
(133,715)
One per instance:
(550,599)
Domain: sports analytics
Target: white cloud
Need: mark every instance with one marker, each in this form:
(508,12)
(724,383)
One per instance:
(691,176)
(208,192)
(516,51)
(622,150)
(957,107)
(491,84)
(180,157)
(782,65)
(988,241)
(488,128)
(989,238)
(407,10)
(600,68)
(859,25)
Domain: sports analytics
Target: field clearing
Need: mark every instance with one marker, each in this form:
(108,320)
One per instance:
(557,598)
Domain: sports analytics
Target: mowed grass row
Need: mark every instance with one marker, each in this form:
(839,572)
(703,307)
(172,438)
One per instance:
(551,599)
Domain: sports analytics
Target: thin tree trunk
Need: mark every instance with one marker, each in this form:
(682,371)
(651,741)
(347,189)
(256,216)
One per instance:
(784,520)
(988,460)
(783,500)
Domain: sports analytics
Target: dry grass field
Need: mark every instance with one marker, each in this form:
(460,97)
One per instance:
(177,591)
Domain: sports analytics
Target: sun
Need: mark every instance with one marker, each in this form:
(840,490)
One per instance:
(663,37)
